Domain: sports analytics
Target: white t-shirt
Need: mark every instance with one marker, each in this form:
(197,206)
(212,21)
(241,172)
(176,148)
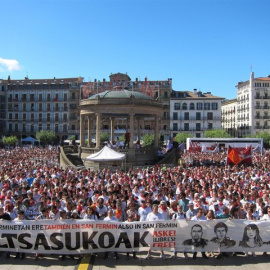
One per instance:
(153,217)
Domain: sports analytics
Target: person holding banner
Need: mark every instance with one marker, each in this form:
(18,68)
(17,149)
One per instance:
(144,210)
(19,218)
(90,214)
(101,209)
(110,218)
(130,218)
(154,216)
(178,214)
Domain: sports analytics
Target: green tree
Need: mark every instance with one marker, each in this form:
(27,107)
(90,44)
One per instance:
(182,137)
(46,137)
(11,140)
(216,133)
(265,136)
(148,139)
(71,138)
(104,136)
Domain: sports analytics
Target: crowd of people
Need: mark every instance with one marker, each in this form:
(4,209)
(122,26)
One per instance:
(201,187)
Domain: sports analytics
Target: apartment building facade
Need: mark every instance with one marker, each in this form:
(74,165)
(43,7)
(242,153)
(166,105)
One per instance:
(194,112)
(229,116)
(253,104)
(32,105)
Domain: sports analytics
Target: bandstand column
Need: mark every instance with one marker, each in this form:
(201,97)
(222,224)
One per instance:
(98,126)
(156,130)
(89,131)
(138,130)
(131,127)
(82,130)
(112,129)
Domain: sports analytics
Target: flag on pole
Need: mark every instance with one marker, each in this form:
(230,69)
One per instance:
(233,156)
(247,156)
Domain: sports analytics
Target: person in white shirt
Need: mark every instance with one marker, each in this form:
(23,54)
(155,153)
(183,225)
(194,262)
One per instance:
(101,209)
(130,218)
(90,215)
(154,216)
(164,210)
(144,210)
(110,218)
(199,215)
(191,212)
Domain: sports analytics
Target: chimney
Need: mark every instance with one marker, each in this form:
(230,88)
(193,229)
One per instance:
(195,91)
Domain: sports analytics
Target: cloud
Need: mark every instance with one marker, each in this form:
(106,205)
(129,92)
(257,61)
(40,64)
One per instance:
(9,64)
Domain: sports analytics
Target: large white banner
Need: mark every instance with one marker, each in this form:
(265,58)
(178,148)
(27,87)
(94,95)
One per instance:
(82,236)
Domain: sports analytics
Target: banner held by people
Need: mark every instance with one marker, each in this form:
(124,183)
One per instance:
(82,236)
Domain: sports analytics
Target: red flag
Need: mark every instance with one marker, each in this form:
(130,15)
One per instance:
(233,156)
(247,156)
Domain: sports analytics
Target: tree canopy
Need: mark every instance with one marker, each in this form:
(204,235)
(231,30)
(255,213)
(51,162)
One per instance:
(46,137)
(11,140)
(216,133)
(182,137)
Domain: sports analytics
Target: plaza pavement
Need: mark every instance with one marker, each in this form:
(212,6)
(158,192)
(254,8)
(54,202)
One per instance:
(98,263)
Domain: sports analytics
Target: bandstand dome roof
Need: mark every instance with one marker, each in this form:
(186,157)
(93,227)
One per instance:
(118,94)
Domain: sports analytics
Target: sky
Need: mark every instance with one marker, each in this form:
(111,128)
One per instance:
(210,45)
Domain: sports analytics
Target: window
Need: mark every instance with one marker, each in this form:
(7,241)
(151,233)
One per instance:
(199,106)
(186,127)
(36,86)
(177,106)
(191,106)
(186,116)
(175,116)
(210,126)
(257,84)
(198,116)
(214,106)
(184,106)
(45,86)
(198,126)
(165,115)
(207,106)
(175,127)
(209,116)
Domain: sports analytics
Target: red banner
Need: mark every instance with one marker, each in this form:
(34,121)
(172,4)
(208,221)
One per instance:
(235,156)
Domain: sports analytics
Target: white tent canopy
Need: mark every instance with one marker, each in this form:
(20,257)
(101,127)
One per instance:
(106,154)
